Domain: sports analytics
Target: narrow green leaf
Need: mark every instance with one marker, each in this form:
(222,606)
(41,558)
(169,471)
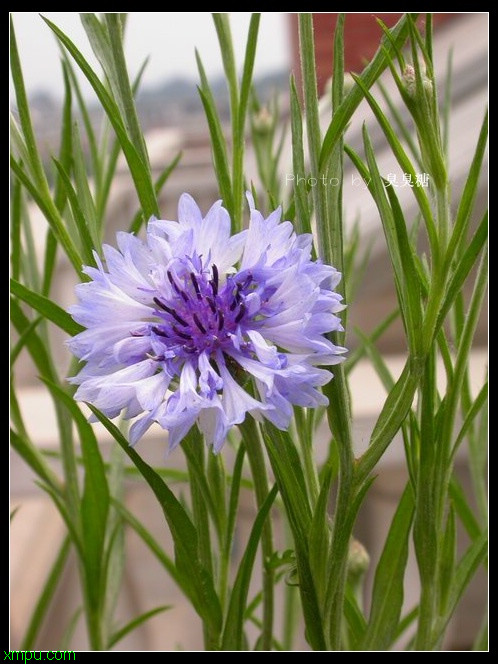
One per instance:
(126,100)
(115,554)
(30,273)
(50,213)
(288,473)
(233,500)
(68,633)
(75,201)
(19,145)
(464,572)
(98,37)
(83,190)
(44,364)
(239,114)
(158,186)
(45,597)
(375,185)
(447,101)
(218,147)
(319,536)
(72,527)
(49,261)
(481,641)
(133,624)
(85,116)
(369,76)
(478,403)
(46,307)
(34,162)
(335,173)
(149,540)
(232,631)
(15,229)
(218,484)
(447,560)
(198,475)
(405,623)
(33,342)
(359,352)
(310,95)
(109,157)
(95,499)
(222,25)
(354,617)
(21,342)
(401,125)
(464,212)
(378,362)
(66,140)
(392,416)
(15,410)
(303,213)
(462,269)
(33,457)
(387,593)
(462,508)
(411,277)
(138,170)
(406,165)
(197,582)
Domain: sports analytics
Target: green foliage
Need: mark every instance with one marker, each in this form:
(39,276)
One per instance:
(440,295)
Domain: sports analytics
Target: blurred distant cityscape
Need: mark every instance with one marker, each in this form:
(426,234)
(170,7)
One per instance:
(176,103)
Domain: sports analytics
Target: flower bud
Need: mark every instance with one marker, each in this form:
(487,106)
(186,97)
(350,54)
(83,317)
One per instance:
(262,121)
(358,561)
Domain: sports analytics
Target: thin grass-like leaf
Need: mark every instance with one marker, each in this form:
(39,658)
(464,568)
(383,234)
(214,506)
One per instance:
(369,76)
(233,628)
(138,169)
(46,595)
(387,593)
(195,580)
(133,624)
(46,307)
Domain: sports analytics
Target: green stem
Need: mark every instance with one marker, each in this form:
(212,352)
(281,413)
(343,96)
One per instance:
(304,426)
(256,458)
(201,521)
(330,249)
(427,610)
(426,531)
(342,524)
(290,604)
(443,217)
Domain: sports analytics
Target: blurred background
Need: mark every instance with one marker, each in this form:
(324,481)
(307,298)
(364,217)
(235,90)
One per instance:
(172,119)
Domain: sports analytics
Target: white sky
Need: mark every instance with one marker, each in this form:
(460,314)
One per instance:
(168,37)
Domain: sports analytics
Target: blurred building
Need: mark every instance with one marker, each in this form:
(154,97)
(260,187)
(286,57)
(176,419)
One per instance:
(362,34)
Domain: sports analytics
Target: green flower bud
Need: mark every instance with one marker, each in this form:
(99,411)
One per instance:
(358,561)
(262,121)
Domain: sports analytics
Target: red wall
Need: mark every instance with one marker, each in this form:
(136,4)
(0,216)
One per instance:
(361,39)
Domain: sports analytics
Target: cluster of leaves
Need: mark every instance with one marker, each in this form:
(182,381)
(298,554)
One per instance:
(431,306)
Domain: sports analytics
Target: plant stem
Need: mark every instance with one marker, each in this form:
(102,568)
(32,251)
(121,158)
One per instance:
(304,426)
(256,458)
(201,520)
(426,531)
(330,249)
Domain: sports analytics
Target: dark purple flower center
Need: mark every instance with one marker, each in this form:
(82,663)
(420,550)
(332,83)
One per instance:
(202,314)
